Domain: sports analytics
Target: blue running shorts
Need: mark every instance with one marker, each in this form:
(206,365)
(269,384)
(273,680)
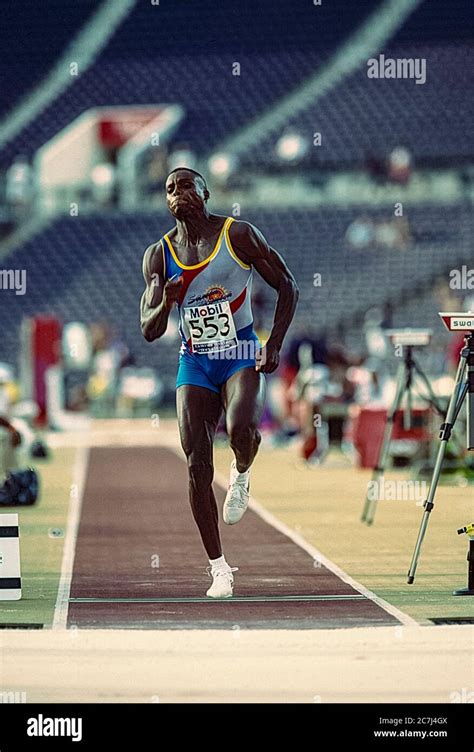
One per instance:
(212,372)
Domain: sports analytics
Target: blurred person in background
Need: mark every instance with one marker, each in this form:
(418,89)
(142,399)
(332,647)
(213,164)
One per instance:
(447,298)
(11,438)
(17,486)
(393,234)
(370,383)
(290,369)
(369,380)
(400,165)
(311,389)
(19,187)
(360,235)
(318,385)
(103,184)
(110,354)
(373,329)
(182,154)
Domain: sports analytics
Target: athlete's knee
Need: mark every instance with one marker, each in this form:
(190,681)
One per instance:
(186,444)
(243,435)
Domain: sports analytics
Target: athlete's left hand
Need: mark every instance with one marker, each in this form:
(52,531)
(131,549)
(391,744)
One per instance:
(268,358)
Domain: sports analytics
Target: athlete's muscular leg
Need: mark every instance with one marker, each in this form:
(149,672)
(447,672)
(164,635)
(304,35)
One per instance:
(199,410)
(243,396)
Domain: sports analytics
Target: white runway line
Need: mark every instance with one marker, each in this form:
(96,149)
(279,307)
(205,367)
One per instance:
(74,515)
(406,620)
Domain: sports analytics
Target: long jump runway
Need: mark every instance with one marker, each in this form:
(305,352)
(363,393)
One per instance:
(139,563)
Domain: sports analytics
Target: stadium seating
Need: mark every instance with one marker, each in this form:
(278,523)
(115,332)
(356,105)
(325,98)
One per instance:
(437,21)
(162,62)
(363,116)
(25,58)
(207,89)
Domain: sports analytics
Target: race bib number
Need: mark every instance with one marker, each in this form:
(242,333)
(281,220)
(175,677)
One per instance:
(212,327)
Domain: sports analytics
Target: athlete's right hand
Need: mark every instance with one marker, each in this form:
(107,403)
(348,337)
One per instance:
(172,291)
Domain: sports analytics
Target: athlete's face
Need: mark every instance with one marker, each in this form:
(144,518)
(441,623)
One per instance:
(185,194)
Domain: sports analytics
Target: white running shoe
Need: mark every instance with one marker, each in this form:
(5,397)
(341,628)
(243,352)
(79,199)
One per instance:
(237,498)
(222,582)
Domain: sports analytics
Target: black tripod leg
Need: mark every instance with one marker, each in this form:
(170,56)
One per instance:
(432,400)
(431,395)
(470,399)
(408,412)
(370,505)
(457,397)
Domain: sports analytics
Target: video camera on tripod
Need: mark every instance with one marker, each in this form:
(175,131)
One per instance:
(407,339)
(463,389)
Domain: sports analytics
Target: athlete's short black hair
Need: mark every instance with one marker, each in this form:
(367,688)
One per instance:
(189,169)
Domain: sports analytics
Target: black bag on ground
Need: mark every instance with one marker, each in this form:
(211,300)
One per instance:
(19,489)
(39,449)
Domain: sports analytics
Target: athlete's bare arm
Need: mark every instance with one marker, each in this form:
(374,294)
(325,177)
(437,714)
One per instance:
(252,248)
(159,297)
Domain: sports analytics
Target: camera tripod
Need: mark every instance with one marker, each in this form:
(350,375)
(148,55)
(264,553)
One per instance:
(404,389)
(463,387)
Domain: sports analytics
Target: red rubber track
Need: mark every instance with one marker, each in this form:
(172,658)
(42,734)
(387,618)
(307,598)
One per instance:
(135,515)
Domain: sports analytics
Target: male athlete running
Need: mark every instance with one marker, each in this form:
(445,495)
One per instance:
(204,265)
